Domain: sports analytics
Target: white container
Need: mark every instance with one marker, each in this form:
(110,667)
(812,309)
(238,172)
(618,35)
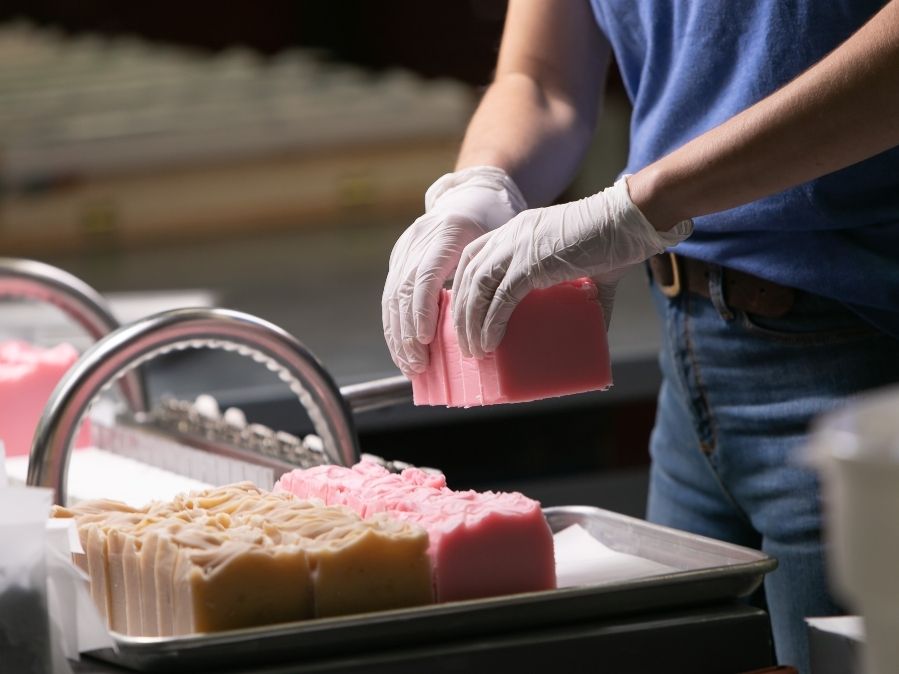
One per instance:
(857,453)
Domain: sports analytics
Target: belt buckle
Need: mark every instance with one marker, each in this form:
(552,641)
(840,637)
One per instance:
(672,289)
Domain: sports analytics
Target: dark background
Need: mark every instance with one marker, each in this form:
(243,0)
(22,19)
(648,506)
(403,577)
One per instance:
(456,39)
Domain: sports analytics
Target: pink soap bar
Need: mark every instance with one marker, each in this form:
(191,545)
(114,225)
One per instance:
(555,344)
(28,375)
(481,544)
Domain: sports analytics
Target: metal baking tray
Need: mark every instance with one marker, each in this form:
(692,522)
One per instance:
(708,571)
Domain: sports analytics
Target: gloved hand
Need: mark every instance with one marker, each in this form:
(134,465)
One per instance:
(459,208)
(600,237)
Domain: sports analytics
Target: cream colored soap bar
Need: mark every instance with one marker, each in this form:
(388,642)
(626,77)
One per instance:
(373,565)
(235,556)
(252,586)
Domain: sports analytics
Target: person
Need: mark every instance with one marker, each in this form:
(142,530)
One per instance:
(763,158)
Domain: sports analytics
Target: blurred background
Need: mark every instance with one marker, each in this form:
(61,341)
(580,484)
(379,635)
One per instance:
(265,157)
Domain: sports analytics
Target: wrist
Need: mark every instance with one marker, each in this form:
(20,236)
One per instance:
(629,215)
(649,193)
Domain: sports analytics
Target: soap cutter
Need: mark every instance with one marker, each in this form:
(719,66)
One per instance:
(179,430)
(196,440)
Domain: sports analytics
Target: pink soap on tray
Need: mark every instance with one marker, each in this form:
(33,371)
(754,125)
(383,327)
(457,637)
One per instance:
(28,375)
(481,544)
(555,344)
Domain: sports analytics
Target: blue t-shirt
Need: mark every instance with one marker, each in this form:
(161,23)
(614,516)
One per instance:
(688,66)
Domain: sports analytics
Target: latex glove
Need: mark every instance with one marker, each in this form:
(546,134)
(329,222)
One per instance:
(459,208)
(600,237)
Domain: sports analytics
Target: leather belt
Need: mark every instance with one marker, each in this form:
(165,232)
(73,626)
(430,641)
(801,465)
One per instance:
(675,274)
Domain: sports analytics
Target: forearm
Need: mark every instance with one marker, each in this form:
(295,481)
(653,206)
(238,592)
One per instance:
(841,111)
(536,119)
(538,141)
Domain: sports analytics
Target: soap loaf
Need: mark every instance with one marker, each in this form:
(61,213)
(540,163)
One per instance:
(481,543)
(236,556)
(555,344)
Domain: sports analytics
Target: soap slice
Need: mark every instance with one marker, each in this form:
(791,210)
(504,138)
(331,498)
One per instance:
(487,544)
(481,544)
(100,524)
(239,583)
(555,344)
(373,565)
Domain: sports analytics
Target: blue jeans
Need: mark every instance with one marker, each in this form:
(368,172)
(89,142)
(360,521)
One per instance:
(737,396)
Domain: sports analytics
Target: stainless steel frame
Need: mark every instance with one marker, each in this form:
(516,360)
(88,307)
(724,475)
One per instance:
(378,393)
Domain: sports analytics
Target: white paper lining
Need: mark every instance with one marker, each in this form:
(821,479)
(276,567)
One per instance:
(583,560)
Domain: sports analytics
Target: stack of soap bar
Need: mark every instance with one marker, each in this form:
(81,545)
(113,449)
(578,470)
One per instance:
(481,543)
(555,344)
(28,375)
(235,557)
